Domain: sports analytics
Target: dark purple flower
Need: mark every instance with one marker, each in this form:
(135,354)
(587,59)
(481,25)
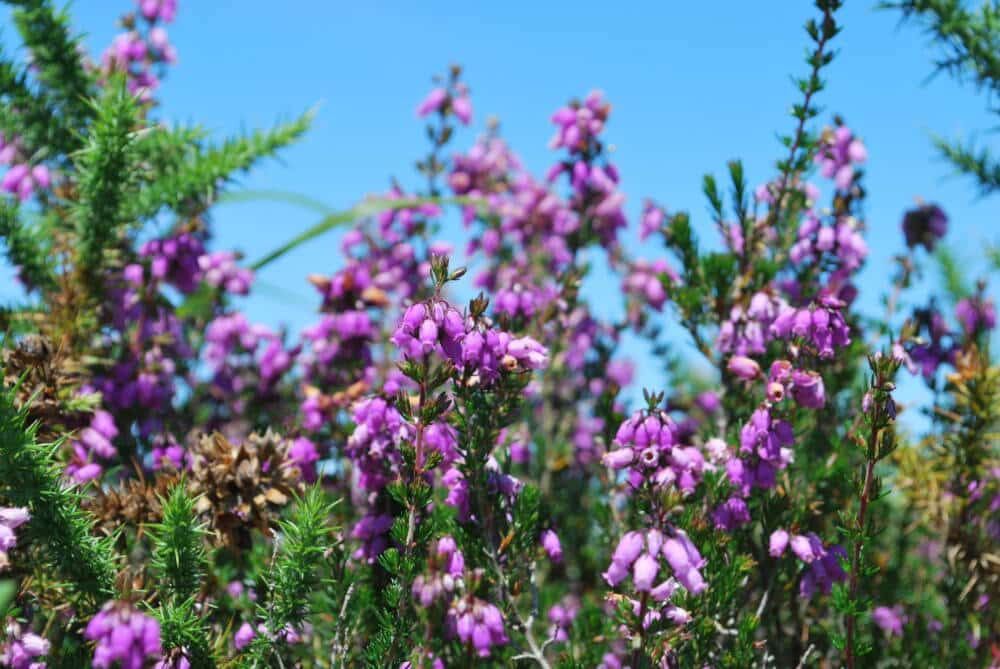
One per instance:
(924,226)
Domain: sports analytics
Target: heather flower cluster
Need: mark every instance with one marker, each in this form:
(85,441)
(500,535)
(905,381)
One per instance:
(451,464)
(123,635)
(11,518)
(143,50)
(23,649)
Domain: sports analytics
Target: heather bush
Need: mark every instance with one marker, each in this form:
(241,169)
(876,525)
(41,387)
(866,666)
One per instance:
(419,479)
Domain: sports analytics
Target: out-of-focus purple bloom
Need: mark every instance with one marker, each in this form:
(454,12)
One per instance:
(433,102)
(123,634)
(838,153)
(10,519)
(743,367)
(244,635)
(890,620)
(162,10)
(925,226)
(304,455)
(976,314)
(221,271)
(778,543)
(552,546)
(22,649)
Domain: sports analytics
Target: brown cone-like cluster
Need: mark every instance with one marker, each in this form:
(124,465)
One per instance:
(242,486)
(47,387)
(136,502)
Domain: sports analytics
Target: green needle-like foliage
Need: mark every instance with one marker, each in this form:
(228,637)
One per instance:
(25,248)
(106,176)
(179,560)
(968,40)
(59,528)
(56,57)
(179,546)
(294,577)
(182,628)
(190,185)
(29,115)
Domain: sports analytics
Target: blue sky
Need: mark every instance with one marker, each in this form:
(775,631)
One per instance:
(693,85)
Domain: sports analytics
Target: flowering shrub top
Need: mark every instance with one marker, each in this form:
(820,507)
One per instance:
(417,480)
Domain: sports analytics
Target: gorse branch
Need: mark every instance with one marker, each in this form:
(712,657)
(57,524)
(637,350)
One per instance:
(61,530)
(974,161)
(56,56)
(305,538)
(106,177)
(969,40)
(191,184)
(30,115)
(178,545)
(26,249)
(179,559)
(183,631)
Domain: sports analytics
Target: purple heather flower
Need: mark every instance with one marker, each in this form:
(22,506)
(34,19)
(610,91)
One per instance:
(731,514)
(924,226)
(644,281)
(446,568)
(372,530)
(220,270)
(807,548)
(708,401)
(646,445)
(21,649)
(823,572)
(244,635)
(462,107)
(890,620)
(433,102)
(10,519)
(823,326)
(976,314)
(478,623)
(778,543)
(839,151)
(743,367)
(373,446)
(163,10)
(808,389)
(430,328)
(552,546)
(175,260)
(768,440)
(424,659)
(638,553)
(561,616)
(644,572)
(304,455)
(652,220)
(123,634)
(686,562)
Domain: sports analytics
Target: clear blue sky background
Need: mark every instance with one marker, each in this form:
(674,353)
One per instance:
(693,85)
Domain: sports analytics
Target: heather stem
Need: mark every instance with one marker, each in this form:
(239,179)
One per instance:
(537,653)
(856,557)
(411,523)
